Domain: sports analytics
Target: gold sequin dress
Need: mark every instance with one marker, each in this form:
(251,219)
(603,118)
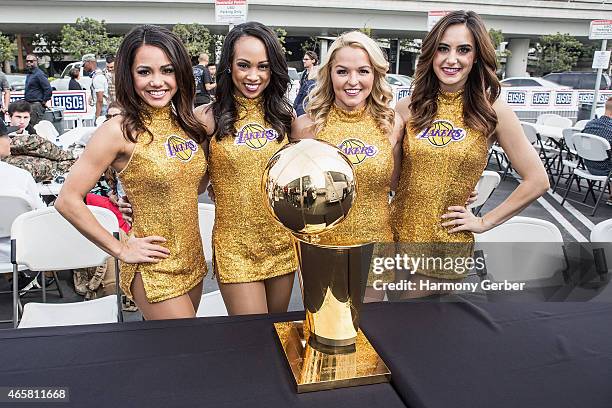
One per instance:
(248,244)
(440,167)
(161,181)
(358,135)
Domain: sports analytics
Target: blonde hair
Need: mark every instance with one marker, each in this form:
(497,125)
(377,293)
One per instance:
(377,103)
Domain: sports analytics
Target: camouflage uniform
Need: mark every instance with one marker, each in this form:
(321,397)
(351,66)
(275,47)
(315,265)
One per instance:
(40,157)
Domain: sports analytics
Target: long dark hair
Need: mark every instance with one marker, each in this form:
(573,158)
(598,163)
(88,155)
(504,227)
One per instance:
(134,116)
(277,110)
(481,89)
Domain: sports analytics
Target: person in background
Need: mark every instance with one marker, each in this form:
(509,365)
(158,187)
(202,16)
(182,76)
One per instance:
(33,153)
(37,89)
(74,84)
(5,94)
(109,72)
(203,81)
(99,84)
(307,81)
(212,70)
(601,126)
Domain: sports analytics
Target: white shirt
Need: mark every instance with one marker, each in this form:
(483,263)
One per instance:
(14,180)
(99,83)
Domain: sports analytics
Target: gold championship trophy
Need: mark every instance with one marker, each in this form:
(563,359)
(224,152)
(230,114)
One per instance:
(310,187)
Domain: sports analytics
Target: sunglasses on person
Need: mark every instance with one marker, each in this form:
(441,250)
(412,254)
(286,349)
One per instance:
(111,115)
(30,61)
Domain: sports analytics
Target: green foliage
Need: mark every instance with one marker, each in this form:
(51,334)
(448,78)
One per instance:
(49,44)
(367,31)
(497,37)
(309,45)
(558,52)
(8,48)
(88,36)
(281,33)
(196,38)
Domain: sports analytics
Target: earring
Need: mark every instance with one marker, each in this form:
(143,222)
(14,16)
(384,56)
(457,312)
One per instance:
(229,70)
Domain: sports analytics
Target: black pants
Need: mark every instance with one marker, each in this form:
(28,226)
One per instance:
(38,111)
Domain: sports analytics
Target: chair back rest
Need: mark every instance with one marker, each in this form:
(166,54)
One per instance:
(46,241)
(591,147)
(581,124)
(568,133)
(13,205)
(46,129)
(530,131)
(601,238)
(552,119)
(524,249)
(486,185)
(206,218)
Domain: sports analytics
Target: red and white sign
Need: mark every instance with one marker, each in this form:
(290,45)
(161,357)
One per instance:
(601,30)
(231,11)
(433,17)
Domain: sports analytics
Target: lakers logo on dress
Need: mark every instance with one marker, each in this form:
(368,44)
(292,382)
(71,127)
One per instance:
(182,149)
(441,133)
(254,136)
(356,150)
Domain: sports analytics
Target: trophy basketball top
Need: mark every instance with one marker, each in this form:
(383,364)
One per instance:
(310,187)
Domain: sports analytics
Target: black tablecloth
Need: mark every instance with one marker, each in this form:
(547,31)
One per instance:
(208,362)
(447,355)
(496,355)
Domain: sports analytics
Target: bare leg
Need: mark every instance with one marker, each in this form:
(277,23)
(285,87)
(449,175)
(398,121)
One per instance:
(244,298)
(195,295)
(175,308)
(278,292)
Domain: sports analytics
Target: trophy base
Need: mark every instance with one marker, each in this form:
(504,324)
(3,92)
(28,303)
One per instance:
(317,367)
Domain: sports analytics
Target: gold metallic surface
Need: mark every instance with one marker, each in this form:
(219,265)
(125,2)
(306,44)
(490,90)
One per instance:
(315,368)
(439,169)
(358,136)
(161,181)
(310,187)
(248,244)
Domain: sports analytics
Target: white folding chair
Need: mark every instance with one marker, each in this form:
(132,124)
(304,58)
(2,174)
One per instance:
(211,305)
(581,124)
(569,160)
(43,240)
(46,129)
(594,148)
(552,119)
(518,259)
(206,219)
(486,186)
(601,239)
(12,206)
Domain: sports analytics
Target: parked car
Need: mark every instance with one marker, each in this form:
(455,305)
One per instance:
(16,81)
(579,80)
(61,84)
(398,80)
(529,82)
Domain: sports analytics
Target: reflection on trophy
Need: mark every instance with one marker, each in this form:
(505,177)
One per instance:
(310,187)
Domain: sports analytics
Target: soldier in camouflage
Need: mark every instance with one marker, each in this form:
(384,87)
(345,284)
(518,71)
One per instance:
(43,159)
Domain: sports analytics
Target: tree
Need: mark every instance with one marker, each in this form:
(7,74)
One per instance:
(88,36)
(309,45)
(49,44)
(497,38)
(8,48)
(558,52)
(195,37)
(281,33)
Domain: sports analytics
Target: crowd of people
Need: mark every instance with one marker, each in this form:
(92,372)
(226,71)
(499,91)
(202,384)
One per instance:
(159,154)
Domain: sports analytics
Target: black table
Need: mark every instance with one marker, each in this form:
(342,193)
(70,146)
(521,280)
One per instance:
(208,362)
(496,355)
(449,355)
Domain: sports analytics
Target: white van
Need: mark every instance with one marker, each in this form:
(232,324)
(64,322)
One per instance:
(61,84)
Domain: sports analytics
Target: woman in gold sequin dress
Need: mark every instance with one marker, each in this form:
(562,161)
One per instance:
(253,256)
(155,147)
(349,108)
(451,119)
